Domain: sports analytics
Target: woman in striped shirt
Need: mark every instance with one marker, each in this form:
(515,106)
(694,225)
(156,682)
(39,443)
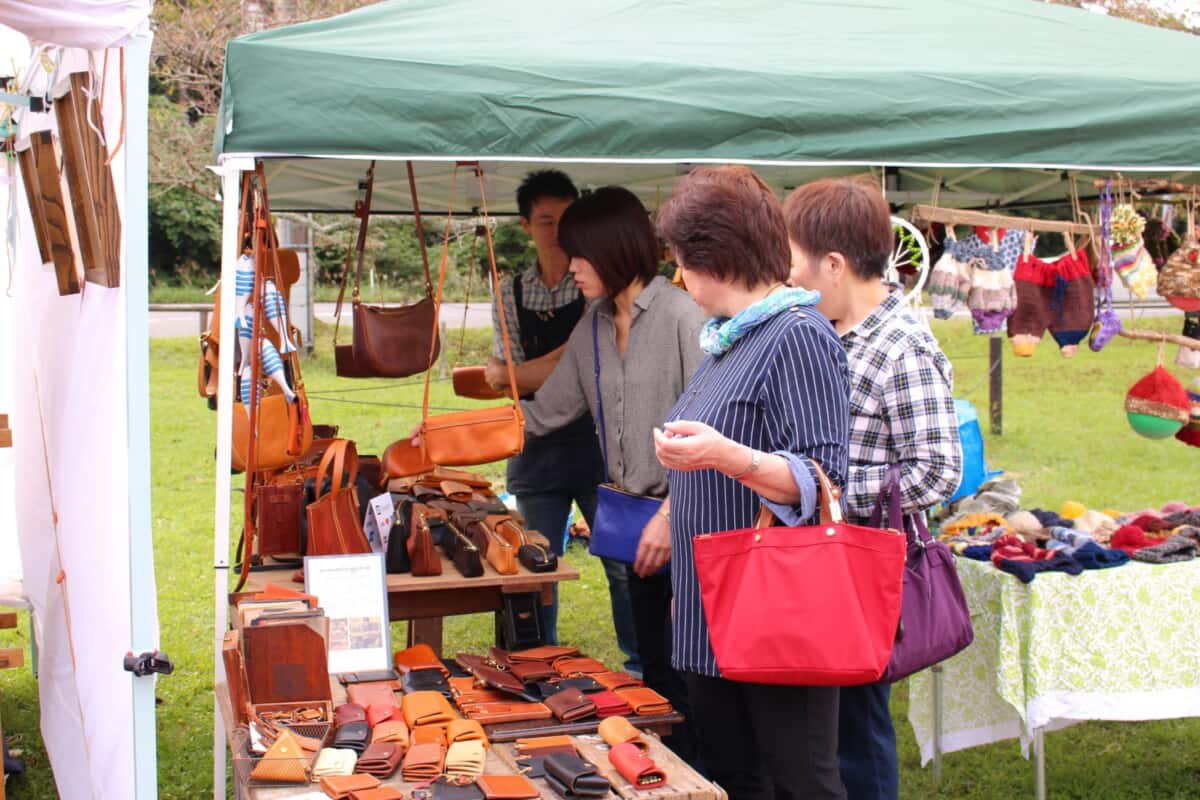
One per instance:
(769,400)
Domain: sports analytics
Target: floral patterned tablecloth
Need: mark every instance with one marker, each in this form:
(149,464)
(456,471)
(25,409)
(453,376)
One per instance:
(1114,644)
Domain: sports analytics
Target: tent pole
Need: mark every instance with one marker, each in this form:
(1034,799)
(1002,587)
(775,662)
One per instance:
(143,609)
(231,173)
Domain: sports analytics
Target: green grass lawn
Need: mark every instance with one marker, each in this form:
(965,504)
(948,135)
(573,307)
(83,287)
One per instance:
(1065,437)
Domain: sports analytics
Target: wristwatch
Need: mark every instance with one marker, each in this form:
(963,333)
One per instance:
(755,460)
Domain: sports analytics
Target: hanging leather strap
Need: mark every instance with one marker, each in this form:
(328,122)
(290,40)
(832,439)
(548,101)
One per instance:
(412,188)
(363,212)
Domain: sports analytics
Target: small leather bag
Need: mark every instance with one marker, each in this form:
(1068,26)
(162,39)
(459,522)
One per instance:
(422,555)
(573,776)
(618,730)
(636,767)
(504,540)
(463,554)
(470,382)
(334,526)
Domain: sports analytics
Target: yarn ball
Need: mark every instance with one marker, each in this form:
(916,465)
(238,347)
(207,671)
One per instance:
(1127,225)
(1157,406)
(1072,509)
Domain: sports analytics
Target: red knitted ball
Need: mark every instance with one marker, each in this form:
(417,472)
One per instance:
(1157,406)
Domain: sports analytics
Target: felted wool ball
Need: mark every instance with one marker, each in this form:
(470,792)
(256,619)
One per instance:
(1072,509)
(1157,406)
(1127,225)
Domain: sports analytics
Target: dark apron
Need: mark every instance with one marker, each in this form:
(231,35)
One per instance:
(568,458)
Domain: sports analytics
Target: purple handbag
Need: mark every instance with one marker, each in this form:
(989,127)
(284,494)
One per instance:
(934,620)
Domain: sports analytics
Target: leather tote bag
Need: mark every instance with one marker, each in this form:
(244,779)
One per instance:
(334,526)
(935,622)
(816,605)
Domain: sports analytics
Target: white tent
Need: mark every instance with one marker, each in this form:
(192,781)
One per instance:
(76,374)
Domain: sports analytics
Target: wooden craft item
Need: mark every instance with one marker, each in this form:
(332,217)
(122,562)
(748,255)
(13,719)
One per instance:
(48,205)
(285,664)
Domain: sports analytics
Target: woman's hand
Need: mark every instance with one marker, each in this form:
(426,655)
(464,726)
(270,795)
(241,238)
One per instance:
(414,438)
(654,548)
(687,446)
(496,374)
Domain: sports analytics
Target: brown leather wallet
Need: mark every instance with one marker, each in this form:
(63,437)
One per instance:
(545,653)
(378,793)
(423,762)
(373,693)
(482,696)
(380,759)
(490,675)
(645,701)
(423,734)
(545,745)
(528,671)
(507,787)
(570,704)
(578,665)
(616,680)
(419,656)
(347,713)
(426,708)
(339,787)
(466,730)
(393,730)
(492,713)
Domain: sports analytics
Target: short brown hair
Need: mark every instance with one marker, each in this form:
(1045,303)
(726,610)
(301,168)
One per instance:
(837,215)
(611,229)
(725,221)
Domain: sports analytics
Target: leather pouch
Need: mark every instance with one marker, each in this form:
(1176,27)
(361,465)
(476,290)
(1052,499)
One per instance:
(570,704)
(333,762)
(465,760)
(464,554)
(339,787)
(528,671)
(426,708)
(352,736)
(636,767)
(284,762)
(422,763)
(378,793)
(422,555)
(372,693)
(568,773)
(609,705)
(393,730)
(470,382)
(447,788)
(426,679)
(380,759)
(507,787)
(492,677)
(418,656)
(618,730)
(379,712)
(503,544)
(466,730)
(426,734)
(616,680)
(347,713)
(581,665)
(537,558)
(645,701)
(545,745)
(546,653)
(493,713)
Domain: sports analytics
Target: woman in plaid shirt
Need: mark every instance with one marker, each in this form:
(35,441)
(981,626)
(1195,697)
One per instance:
(901,411)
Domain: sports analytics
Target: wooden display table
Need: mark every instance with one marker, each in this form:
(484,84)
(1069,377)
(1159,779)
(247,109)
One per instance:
(425,601)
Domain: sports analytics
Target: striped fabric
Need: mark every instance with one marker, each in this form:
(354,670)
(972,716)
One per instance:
(272,367)
(535,297)
(782,388)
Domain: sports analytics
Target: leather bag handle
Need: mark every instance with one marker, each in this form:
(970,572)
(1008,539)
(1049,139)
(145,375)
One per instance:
(339,454)
(363,212)
(828,500)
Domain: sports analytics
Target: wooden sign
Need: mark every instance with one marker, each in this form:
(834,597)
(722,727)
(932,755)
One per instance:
(49,207)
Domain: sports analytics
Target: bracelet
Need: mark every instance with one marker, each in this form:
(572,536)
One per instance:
(755,460)
(664,512)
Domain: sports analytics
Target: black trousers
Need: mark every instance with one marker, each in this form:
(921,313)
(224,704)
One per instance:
(651,601)
(764,742)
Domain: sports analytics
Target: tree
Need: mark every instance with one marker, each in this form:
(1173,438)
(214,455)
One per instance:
(1158,13)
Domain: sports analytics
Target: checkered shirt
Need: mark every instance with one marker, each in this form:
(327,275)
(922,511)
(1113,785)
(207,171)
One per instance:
(901,411)
(535,297)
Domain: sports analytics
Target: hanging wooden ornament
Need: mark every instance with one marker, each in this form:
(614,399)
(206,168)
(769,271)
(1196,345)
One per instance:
(1157,406)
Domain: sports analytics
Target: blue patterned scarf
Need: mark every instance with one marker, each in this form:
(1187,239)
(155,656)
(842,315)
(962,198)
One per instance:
(719,334)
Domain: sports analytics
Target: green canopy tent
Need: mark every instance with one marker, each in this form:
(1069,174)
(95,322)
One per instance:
(798,89)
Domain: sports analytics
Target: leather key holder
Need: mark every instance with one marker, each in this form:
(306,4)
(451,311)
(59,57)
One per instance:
(339,787)
(507,787)
(417,657)
(636,767)
(426,708)
(574,775)
(570,704)
(425,679)
(645,701)
(618,730)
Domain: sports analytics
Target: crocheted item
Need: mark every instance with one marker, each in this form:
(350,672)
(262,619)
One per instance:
(1091,555)
(949,284)
(1126,225)
(1179,279)
(992,299)
(1058,295)
(1174,549)
(1190,433)
(1130,539)
(1135,267)
(719,334)
(997,248)
(1157,406)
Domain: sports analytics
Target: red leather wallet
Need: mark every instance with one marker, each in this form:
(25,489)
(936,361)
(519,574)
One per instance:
(608,704)
(636,767)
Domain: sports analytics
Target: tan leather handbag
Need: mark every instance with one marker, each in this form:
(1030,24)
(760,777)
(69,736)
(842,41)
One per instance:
(333,524)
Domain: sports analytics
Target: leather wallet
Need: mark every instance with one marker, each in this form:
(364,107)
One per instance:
(572,775)
(636,767)
(570,704)
(379,712)
(492,677)
(546,653)
(423,762)
(425,679)
(447,789)
(608,704)
(616,680)
(352,736)
(482,696)
(393,730)
(378,793)
(456,491)
(333,761)
(492,713)
(466,730)
(578,665)
(465,760)
(423,734)
(645,701)
(527,671)
(499,658)
(284,762)
(372,693)
(583,683)
(347,713)
(618,730)
(545,745)
(339,787)
(507,787)
(426,708)
(417,657)
(380,759)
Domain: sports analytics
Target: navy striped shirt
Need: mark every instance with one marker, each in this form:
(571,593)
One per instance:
(782,388)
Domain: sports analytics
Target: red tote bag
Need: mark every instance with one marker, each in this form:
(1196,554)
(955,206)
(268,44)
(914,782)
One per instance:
(808,606)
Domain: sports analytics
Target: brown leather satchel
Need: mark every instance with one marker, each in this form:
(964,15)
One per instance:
(333,524)
(388,341)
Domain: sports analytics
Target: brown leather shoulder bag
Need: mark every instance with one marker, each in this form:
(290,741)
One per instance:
(333,524)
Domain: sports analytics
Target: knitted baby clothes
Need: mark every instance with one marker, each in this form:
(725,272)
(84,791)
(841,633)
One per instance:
(949,285)
(1026,571)
(992,298)
(1130,539)
(1058,295)
(1176,548)
(998,248)
(1092,556)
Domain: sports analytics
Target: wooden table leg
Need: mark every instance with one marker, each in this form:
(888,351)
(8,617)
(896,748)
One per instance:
(426,631)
